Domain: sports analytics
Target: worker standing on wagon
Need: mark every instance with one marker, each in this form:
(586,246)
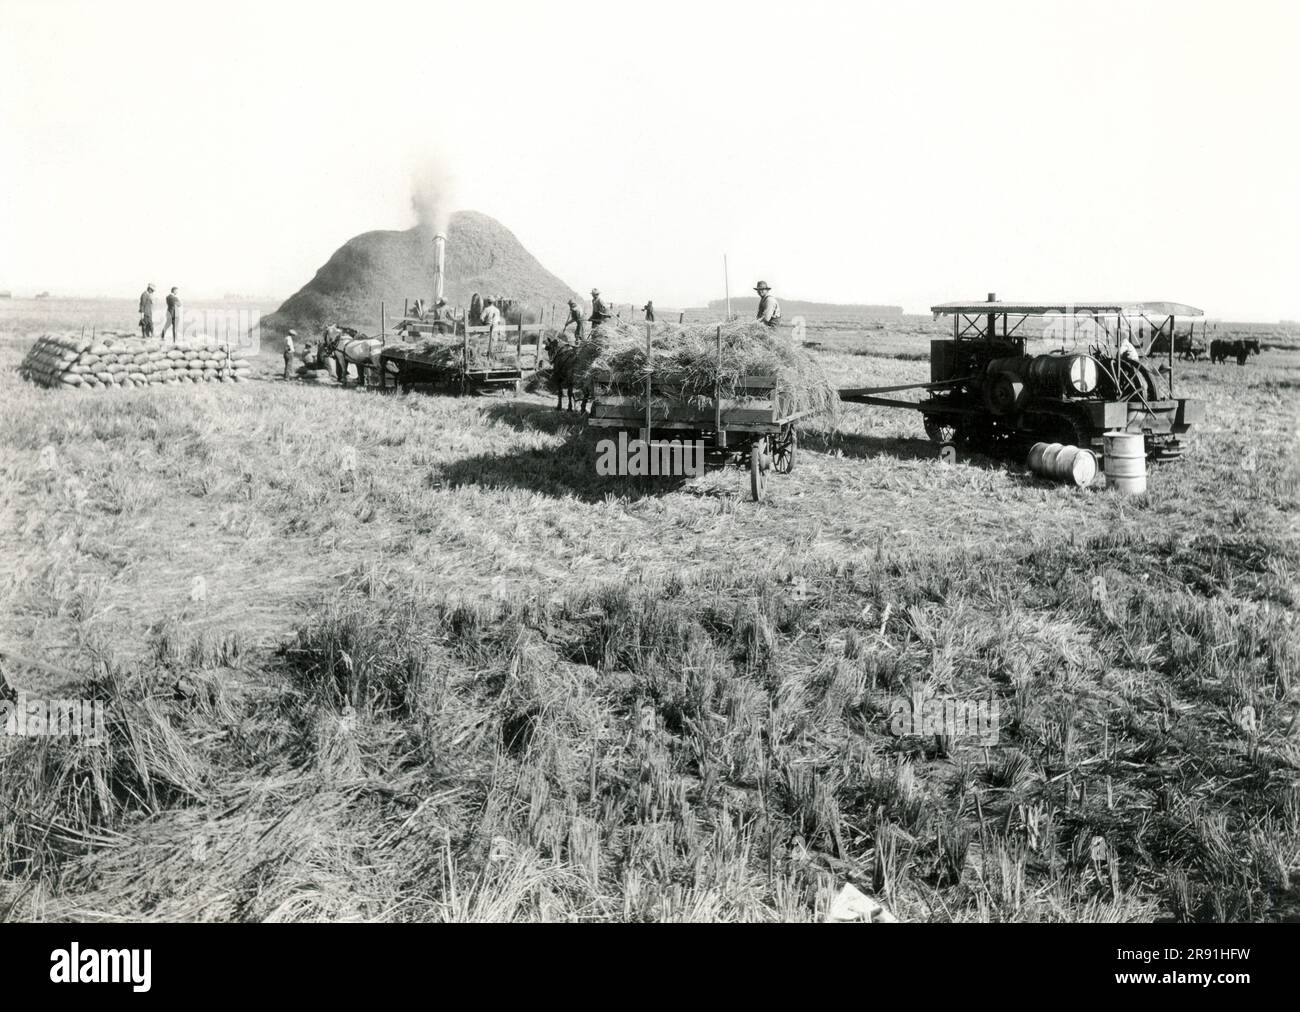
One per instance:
(441,316)
(599,311)
(173,316)
(476,310)
(769,310)
(491,319)
(146,311)
(1128,351)
(649,310)
(578,321)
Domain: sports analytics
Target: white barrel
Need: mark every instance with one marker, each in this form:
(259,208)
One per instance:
(1036,457)
(1076,465)
(1049,459)
(1126,462)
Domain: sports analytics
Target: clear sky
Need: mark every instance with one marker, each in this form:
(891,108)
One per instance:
(880,152)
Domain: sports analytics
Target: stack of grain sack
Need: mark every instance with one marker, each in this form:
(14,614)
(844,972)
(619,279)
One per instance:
(109,363)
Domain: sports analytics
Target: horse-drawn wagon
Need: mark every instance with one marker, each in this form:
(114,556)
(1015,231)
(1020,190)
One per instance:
(751,425)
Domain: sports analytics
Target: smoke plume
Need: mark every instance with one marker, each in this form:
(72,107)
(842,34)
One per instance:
(432,193)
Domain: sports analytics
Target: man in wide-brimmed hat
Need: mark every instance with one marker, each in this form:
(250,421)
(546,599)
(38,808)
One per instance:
(769,310)
(146,311)
(599,311)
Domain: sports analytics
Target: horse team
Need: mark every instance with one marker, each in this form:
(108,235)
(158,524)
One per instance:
(1221,351)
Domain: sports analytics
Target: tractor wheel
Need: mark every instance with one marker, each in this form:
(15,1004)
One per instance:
(1169,450)
(757,475)
(783,447)
(938,430)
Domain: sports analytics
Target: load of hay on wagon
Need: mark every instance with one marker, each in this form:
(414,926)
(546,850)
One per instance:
(698,366)
(112,363)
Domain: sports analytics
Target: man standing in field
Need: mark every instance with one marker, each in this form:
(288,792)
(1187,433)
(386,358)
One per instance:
(173,316)
(649,310)
(599,311)
(146,311)
(288,350)
(769,310)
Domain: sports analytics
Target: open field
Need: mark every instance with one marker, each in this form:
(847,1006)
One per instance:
(409,657)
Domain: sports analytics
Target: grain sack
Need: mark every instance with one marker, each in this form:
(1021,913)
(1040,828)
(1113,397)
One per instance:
(120,362)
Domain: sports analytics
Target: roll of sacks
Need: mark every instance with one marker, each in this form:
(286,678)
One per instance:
(1059,462)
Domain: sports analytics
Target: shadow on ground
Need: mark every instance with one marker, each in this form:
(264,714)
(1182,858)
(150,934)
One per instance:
(564,471)
(860,446)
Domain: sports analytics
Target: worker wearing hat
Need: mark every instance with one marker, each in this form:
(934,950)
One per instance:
(579,324)
(599,311)
(146,311)
(769,310)
(288,349)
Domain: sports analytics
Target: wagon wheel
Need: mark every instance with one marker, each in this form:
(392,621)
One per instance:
(783,447)
(757,471)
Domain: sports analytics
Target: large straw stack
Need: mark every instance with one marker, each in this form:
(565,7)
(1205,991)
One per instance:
(112,363)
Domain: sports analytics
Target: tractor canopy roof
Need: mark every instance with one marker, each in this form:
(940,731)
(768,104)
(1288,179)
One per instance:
(1066,308)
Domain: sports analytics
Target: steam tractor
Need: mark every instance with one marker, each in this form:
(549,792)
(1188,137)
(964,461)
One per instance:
(987,391)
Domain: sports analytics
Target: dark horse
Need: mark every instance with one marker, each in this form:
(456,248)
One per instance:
(1221,351)
(564,372)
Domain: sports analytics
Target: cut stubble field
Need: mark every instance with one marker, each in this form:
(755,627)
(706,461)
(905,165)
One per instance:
(409,657)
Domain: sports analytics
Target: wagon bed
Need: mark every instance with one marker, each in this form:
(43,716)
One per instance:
(485,358)
(757,430)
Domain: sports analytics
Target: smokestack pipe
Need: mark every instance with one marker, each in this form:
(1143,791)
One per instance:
(439,264)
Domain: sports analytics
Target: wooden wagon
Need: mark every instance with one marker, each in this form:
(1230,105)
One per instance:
(754,427)
(472,357)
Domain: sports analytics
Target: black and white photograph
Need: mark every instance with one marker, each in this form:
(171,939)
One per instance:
(597,463)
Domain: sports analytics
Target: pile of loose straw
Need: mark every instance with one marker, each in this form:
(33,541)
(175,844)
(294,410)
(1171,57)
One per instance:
(685,360)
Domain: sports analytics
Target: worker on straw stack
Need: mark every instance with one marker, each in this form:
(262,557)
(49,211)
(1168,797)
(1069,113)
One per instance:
(288,349)
(649,310)
(769,310)
(173,316)
(146,311)
(576,318)
(599,311)
(441,316)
